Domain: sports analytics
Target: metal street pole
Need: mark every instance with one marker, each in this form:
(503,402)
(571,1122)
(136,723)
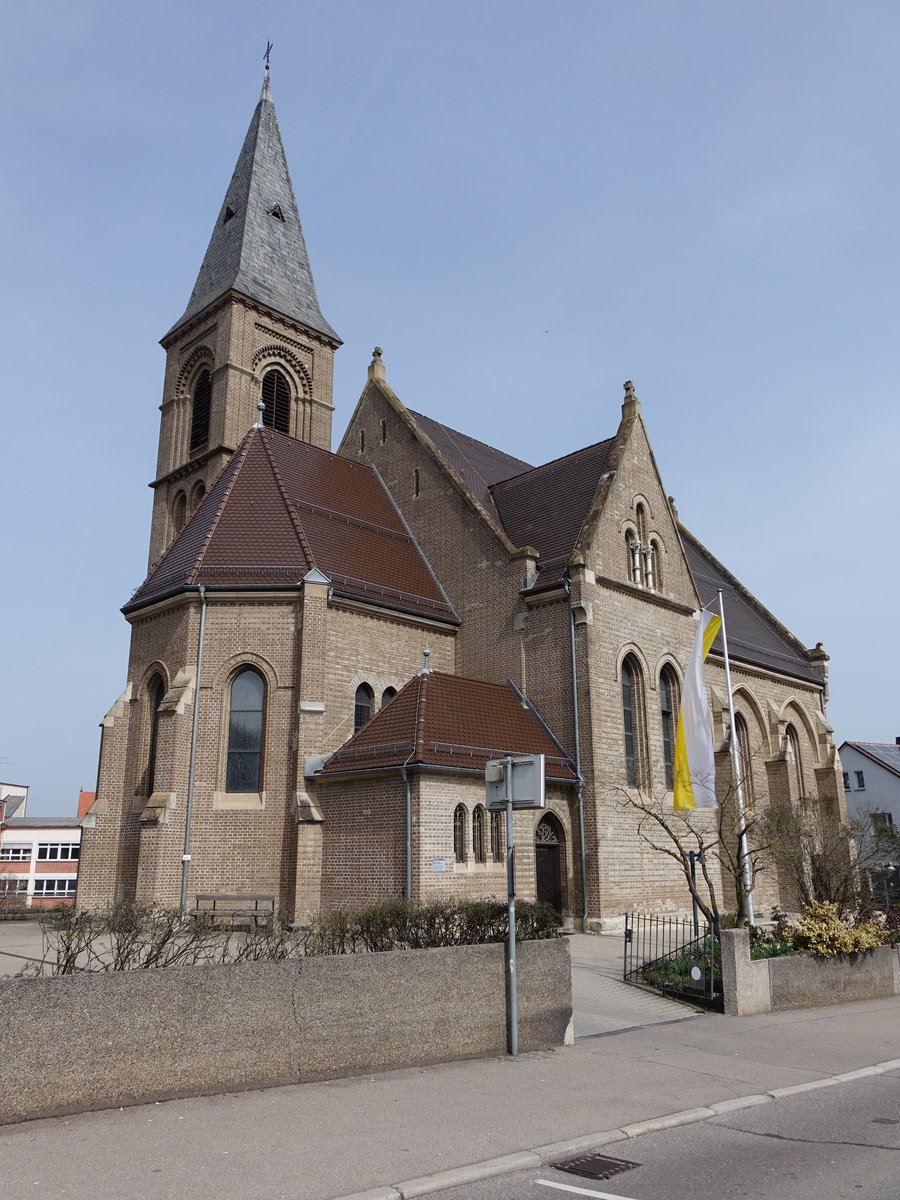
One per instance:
(511,909)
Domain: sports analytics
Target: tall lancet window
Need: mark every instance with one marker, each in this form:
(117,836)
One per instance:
(245,732)
(276,396)
(200,405)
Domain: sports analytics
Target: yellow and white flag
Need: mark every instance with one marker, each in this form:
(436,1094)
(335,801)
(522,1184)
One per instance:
(695,765)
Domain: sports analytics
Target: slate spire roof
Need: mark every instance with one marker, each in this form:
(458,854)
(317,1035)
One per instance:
(257,246)
(439,720)
(282,508)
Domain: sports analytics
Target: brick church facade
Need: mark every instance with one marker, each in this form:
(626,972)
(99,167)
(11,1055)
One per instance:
(278,733)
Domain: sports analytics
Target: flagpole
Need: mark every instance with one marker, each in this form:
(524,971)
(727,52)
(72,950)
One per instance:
(735,767)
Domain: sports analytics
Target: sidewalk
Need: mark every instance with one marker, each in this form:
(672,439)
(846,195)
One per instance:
(322,1140)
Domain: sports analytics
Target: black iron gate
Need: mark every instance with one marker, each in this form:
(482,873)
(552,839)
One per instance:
(673,957)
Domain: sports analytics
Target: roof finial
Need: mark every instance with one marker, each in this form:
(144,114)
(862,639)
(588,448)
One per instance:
(426,670)
(260,408)
(376,366)
(266,94)
(631,406)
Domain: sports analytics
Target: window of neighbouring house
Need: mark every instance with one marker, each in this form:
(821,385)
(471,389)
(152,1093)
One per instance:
(57,851)
(15,852)
(55,887)
(860,781)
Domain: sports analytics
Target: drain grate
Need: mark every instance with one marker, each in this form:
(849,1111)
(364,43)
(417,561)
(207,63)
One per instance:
(884,1121)
(595,1166)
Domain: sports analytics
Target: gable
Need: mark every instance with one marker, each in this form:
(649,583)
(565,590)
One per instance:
(635,507)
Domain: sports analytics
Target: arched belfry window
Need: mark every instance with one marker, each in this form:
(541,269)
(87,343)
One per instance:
(245,732)
(635,723)
(362,706)
(155,692)
(387,696)
(276,396)
(200,406)
(668,708)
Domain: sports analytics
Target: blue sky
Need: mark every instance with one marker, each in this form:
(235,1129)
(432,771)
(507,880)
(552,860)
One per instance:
(525,205)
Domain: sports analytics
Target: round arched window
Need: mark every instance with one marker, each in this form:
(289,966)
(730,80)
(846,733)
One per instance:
(276,396)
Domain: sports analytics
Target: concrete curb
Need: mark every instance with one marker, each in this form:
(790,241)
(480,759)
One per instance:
(542,1156)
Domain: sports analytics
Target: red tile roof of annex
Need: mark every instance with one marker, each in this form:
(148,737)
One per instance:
(439,720)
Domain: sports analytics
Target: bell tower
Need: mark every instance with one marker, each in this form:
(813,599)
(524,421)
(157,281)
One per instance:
(252,331)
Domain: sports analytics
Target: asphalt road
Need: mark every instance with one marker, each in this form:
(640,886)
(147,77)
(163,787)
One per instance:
(839,1143)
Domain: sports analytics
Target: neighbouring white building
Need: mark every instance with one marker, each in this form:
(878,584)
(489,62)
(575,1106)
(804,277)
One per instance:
(38,855)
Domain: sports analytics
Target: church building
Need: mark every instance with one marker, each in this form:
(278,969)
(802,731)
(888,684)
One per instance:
(329,647)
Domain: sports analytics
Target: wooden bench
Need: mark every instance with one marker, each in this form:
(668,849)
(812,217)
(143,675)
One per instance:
(238,910)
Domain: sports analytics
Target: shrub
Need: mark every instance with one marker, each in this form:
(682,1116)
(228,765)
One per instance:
(822,932)
(129,937)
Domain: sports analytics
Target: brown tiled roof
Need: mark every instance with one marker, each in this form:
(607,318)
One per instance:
(754,635)
(439,720)
(282,507)
(546,507)
(476,463)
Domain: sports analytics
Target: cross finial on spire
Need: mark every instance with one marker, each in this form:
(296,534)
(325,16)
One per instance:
(376,366)
(631,405)
(266,93)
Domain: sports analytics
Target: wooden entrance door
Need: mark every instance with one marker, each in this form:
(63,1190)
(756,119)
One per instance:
(547,864)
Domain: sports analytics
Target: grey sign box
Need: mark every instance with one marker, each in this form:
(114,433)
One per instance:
(439,864)
(526,782)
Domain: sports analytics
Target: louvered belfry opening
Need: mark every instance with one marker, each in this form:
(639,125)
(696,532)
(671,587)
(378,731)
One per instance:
(200,411)
(276,396)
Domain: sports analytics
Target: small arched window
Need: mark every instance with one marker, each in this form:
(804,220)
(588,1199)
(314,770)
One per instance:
(795,766)
(387,696)
(245,732)
(632,558)
(634,723)
(179,512)
(497,836)
(201,402)
(155,692)
(745,776)
(478,834)
(459,833)
(199,491)
(276,396)
(383,431)
(656,559)
(668,707)
(362,706)
(416,481)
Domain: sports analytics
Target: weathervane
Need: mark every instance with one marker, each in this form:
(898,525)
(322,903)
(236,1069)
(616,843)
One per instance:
(267,53)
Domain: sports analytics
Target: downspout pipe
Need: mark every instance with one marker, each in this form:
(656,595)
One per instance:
(186,856)
(405,776)
(584,912)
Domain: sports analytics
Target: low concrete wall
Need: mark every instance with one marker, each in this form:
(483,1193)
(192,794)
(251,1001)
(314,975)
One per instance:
(801,981)
(101,1040)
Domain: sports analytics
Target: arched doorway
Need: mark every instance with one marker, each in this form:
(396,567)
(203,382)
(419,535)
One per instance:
(548,862)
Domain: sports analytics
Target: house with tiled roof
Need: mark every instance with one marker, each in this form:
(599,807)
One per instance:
(277,735)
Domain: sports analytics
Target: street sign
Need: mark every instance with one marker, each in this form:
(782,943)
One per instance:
(526,775)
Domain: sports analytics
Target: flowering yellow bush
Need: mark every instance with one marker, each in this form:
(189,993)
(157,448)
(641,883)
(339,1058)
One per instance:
(822,932)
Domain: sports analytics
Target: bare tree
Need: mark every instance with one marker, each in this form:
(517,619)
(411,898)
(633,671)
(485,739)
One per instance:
(714,836)
(824,856)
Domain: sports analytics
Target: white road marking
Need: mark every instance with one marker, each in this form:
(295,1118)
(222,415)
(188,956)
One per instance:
(567,1187)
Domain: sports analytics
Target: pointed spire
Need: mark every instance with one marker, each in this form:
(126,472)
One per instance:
(257,246)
